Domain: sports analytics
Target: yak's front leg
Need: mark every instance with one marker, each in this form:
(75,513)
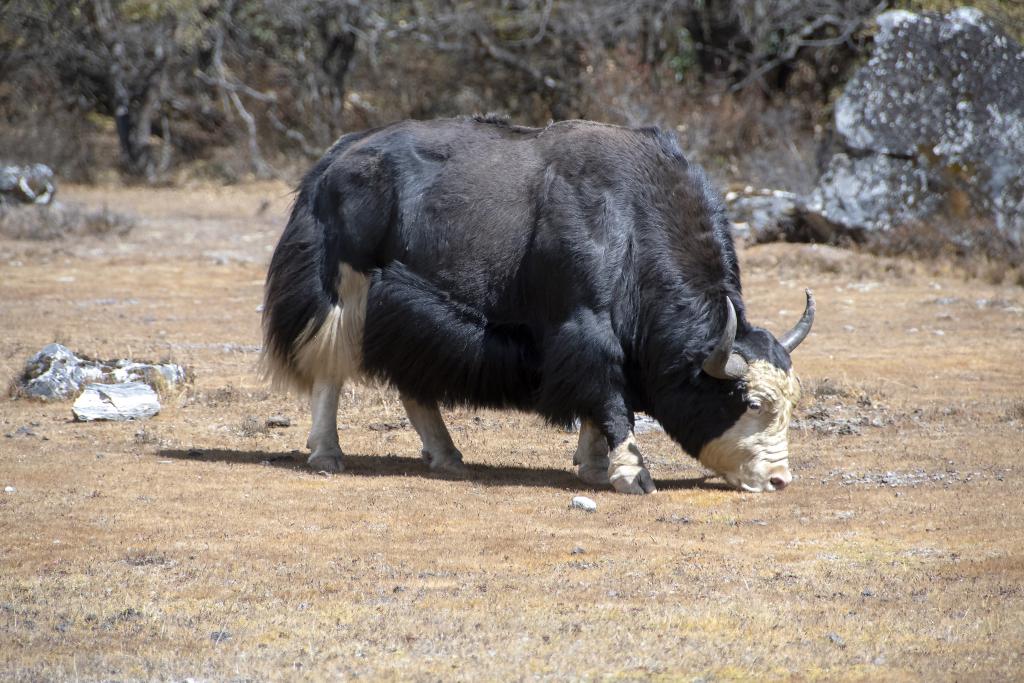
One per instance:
(627,471)
(323,437)
(592,455)
(584,368)
(438,449)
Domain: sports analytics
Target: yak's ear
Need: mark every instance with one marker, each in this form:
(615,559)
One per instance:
(722,363)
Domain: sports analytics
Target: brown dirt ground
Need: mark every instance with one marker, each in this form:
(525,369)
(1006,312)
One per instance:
(897,554)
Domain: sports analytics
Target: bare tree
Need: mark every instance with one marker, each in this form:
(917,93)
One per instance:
(279,76)
(134,60)
(302,51)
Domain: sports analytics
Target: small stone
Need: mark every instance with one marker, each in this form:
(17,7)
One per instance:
(578,550)
(279,421)
(220,636)
(388,426)
(10,489)
(676,519)
(837,639)
(583,503)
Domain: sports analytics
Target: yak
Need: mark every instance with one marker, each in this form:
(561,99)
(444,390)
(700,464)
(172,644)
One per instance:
(582,271)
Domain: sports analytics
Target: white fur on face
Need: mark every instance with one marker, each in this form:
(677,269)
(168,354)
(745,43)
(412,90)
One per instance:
(755,451)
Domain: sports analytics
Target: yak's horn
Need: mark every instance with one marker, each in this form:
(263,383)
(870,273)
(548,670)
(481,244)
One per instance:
(792,339)
(723,363)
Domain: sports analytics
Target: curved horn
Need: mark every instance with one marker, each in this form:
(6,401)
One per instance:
(723,363)
(792,339)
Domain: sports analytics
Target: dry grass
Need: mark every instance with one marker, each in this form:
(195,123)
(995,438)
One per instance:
(194,546)
(58,220)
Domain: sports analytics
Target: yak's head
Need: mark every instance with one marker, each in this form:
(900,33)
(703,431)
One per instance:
(752,454)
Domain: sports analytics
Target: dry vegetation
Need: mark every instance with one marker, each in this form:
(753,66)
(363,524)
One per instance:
(192,545)
(58,220)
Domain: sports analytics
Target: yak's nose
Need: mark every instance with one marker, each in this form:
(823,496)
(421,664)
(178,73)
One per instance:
(778,482)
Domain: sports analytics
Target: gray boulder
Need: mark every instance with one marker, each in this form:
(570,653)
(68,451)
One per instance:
(56,373)
(878,192)
(762,215)
(32,184)
(934,122)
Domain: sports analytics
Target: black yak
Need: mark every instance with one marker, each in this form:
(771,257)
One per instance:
(581,271)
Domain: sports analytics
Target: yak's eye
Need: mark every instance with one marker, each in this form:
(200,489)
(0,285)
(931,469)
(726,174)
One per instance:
(754,405)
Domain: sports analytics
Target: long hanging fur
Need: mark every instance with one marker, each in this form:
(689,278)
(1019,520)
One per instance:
(312,305)
(438,349)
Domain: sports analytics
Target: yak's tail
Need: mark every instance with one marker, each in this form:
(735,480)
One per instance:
(313,305)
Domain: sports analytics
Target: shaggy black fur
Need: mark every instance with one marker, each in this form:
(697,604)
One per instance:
(304,268)
(578,270)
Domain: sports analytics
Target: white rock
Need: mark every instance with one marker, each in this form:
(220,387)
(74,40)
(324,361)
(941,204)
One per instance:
(583,503)
(646,423)
(127,401)
(9,489)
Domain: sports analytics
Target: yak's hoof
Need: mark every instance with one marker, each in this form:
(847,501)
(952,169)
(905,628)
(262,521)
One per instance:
(326,460)
(632,479)
(448,463)
(594,475)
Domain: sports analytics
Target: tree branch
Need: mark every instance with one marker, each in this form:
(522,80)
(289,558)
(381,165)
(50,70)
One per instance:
(503,56)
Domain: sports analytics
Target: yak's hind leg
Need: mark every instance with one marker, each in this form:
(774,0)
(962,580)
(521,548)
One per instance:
(323,437)
(438,449)
(592,455)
